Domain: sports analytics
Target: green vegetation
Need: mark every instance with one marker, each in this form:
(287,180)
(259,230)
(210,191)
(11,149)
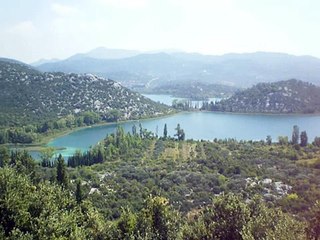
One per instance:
(290,96)
(156,188)
(140,186)
(34,103)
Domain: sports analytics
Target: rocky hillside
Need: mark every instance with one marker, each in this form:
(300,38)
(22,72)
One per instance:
(290,96)
(28,95)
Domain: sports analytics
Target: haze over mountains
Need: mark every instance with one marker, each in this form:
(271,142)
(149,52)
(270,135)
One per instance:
(148,70)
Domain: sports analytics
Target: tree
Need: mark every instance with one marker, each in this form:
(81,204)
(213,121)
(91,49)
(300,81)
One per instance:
(4,136)
(295,135)
(141,130)
(43,211)
(158,221)
(90,118)
(126,225)
(165,131)
(316,141)
(46,155)
(4,156)
(269,140)
(283,140)
(134,130)
(157,131)
(23,163)
(78,193)
(227,217)
(303,139)
(113,115)
(313,229)
(62,177)
(232,217)
(100,156)
(180,133)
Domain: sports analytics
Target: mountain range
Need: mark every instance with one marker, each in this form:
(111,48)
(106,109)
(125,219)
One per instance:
(149,70)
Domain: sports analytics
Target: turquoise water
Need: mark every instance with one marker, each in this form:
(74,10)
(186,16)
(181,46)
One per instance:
(201,125)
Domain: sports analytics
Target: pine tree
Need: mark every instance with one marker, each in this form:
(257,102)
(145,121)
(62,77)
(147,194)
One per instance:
(62,178)
(100,156)
(141,130)
(78,193)
(303,139)
(165,131)
(295,135)
(134,130)
(4,156)
(269,140)
(180,133)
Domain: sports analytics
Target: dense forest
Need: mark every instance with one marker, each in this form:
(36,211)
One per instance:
(140,186)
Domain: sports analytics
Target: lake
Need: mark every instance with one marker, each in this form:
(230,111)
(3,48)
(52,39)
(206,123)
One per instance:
(201,125)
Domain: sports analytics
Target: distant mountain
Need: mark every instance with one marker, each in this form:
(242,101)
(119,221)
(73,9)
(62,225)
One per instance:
(28,95)
(106,53)
(290,96)
(155,69)
(43,61)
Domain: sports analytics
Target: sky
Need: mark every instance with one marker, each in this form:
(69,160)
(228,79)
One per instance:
(35,29)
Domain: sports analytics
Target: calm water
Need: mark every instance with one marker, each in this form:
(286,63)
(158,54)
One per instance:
(202,125)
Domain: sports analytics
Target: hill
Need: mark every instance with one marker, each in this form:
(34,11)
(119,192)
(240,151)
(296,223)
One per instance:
(106,53)
(29,96)
(291,96)
(156,69)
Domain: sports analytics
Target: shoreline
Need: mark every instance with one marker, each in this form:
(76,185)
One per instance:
(264,114)
(42,144)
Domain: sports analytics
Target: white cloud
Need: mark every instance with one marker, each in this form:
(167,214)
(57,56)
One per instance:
(63,10)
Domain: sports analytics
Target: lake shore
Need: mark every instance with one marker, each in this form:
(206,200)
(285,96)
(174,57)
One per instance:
(42,144)
(45,139)
(264,114)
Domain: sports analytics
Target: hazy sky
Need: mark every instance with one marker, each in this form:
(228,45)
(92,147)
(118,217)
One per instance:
(34,29)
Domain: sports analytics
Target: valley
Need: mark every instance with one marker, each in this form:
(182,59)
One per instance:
(189,152)
(159,120)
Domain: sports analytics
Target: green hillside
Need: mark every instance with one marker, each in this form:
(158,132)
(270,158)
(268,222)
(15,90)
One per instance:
(292,96)
(28,96)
